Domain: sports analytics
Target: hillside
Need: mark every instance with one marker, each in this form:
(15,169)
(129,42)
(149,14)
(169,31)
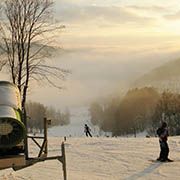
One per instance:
(103,159)
(162,75)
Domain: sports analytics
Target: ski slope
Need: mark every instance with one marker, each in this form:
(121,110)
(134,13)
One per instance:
(103,159)
(79,117)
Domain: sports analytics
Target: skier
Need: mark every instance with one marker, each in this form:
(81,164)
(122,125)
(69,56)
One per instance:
(87,130)
(163,137)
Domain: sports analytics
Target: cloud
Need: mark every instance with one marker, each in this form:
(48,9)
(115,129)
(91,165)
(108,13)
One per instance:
(158,9)
(99,14)
(175,16)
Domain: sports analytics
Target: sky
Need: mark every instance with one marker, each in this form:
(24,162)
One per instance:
(108,44)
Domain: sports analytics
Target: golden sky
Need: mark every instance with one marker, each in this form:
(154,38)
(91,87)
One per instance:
(114,18)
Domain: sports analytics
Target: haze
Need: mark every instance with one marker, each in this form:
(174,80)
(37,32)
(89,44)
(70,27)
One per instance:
(109,44)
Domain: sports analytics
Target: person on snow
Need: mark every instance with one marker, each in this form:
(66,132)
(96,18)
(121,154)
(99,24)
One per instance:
(87,130)
(163,137)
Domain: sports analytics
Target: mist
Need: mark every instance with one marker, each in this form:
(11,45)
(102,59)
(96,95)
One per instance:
(107,46)
(97,74)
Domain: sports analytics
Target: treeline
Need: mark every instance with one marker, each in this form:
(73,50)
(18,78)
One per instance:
(37,112)
(140,109)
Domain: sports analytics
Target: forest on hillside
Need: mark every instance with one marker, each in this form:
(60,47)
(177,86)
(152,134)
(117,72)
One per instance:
(37,112)
(141,109)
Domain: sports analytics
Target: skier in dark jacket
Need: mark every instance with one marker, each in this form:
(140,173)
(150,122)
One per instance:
(87,130)
(163,137)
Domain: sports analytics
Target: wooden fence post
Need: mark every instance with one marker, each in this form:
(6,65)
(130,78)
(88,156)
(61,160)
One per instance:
(64,161)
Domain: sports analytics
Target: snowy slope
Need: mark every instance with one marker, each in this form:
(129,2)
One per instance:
(79,117)
(104,159)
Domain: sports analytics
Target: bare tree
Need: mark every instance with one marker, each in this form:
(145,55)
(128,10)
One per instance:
(24,26)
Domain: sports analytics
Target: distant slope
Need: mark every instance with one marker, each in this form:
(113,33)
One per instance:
(165,73)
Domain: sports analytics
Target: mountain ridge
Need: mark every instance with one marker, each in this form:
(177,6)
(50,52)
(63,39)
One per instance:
(169,71)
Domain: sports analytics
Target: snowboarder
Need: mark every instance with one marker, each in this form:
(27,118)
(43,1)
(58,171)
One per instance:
(87,130)
(163,134)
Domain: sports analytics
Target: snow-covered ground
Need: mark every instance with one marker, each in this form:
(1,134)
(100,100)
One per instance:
(103,159)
